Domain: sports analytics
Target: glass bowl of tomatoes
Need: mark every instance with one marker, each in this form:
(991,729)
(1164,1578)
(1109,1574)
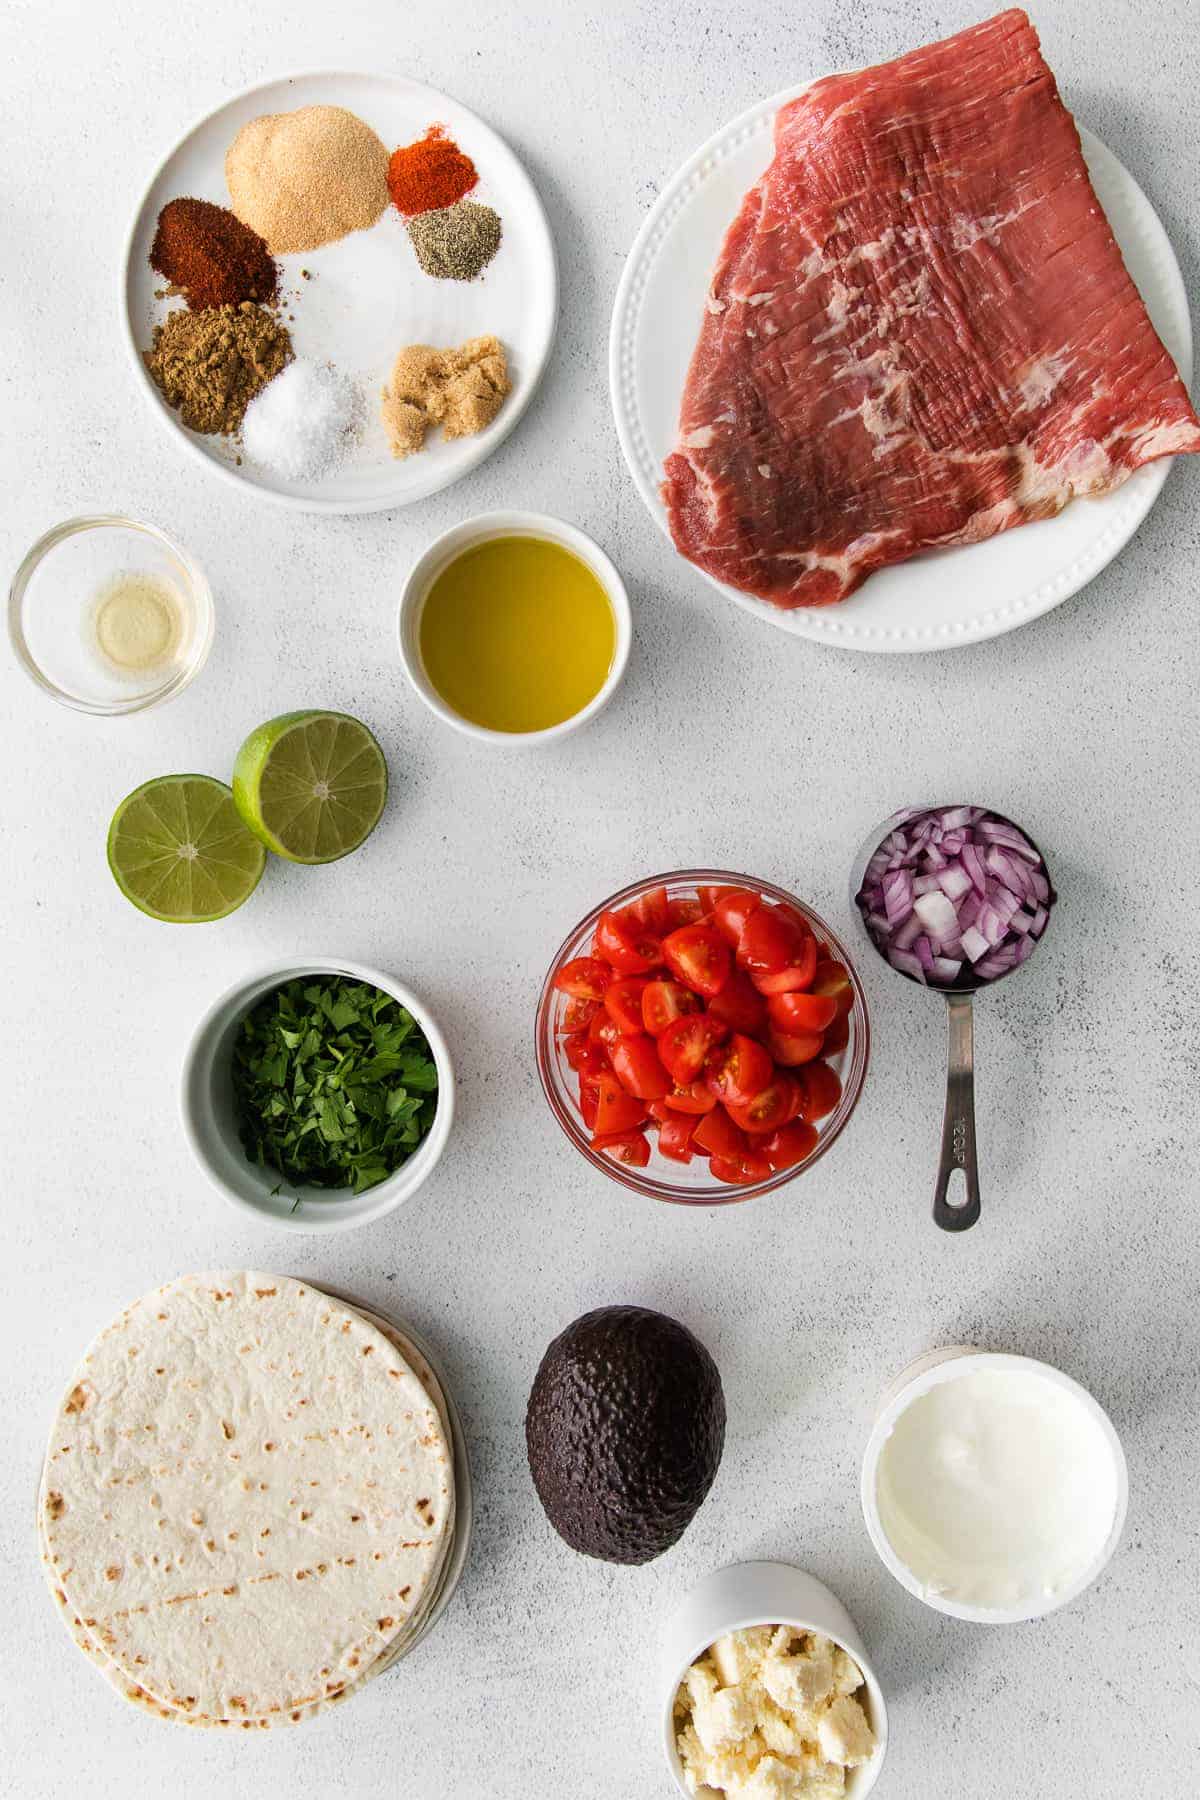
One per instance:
(702,1037)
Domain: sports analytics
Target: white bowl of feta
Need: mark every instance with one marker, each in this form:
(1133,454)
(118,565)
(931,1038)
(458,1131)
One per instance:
(767,1691)
(994,1487)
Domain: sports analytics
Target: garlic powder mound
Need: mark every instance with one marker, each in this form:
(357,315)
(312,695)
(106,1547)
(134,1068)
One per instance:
(247,1496)
(306,178)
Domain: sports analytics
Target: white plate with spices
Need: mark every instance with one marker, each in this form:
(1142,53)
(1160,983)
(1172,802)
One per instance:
(934,602)
(365,296)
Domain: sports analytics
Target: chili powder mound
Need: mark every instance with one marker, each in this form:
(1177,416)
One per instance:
(432,173)
(213,259)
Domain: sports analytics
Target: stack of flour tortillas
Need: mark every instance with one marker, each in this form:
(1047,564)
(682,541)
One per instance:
(248,1503)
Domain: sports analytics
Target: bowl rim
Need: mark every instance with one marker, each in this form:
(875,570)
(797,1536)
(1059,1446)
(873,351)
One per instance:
(933,1370)
(651,1186)
(481,528)
(386,1195)
(868,1773)
(201,597)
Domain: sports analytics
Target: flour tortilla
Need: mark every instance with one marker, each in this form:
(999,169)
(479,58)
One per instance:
(138,1697)
(248,1498)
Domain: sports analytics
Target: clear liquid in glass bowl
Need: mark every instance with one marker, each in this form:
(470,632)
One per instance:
(69,607)
(693,1184)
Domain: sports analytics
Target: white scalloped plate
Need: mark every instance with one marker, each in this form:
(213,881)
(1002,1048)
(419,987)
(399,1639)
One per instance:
(365,296)
(935,601)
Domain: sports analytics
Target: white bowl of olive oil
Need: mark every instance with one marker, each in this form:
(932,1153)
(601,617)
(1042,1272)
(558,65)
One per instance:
(109,616)
(515,628)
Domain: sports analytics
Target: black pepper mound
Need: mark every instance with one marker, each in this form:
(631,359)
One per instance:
(624,1430)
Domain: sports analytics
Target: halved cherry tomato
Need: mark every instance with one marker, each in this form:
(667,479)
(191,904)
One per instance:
(574,1047)
(623,1002)
(665,1001)
(589,1098)
(740,1170)
(791,1048)
(627,945)
(770,1109)
(629,1147)
(737,1071)
(616,1110)
(683,912)
(777,950)
(576,1015)
(731,908)
(637,1067)
(603,1030)
(699,957)
(697,1097)
(831,978)
(675,1137)
(717,1135)
(795,977)
(650,912)
(790,1145)
(684,1045)
(740,1005)
(584,978)
(838,1036)
(593,1059)
(791,1012)
(707,898)
(820,1091)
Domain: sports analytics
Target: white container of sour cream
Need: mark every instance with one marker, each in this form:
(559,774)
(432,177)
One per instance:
(994,1487)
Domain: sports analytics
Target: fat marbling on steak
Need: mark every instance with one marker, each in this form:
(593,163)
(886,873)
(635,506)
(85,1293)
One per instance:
(920,331)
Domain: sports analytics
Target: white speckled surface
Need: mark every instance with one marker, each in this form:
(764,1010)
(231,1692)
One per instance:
(729,743)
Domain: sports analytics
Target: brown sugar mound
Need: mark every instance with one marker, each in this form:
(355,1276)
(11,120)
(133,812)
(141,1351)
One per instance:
(461,390)
(302,179)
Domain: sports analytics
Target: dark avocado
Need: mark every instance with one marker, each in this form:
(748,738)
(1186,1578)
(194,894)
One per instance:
(624,1429)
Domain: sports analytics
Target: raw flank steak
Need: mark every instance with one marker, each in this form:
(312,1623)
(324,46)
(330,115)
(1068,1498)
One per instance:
(920,331)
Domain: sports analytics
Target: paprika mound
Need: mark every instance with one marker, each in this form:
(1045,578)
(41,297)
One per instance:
(211,257)
(432,173)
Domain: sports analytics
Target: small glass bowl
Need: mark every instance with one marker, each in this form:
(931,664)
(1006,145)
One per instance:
(54,592)
(692,1184)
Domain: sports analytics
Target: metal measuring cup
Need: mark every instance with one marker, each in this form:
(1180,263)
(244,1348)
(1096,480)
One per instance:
(958,1122)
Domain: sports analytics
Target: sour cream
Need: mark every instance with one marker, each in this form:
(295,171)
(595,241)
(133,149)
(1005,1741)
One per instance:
(998,1486)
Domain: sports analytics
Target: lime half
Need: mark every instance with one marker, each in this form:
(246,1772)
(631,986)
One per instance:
(311,785)
(179,851)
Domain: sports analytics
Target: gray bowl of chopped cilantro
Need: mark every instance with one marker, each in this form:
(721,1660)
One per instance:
(318,1095)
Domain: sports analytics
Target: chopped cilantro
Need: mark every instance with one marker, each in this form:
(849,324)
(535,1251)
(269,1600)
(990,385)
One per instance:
(334,1083)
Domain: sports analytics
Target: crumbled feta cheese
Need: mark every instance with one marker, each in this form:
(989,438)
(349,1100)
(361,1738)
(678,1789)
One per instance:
(781,1732)
(824,1781)
(847,1676)
(800,1683)
(724,1719)
(738,1655)
(768,1714)
(775,1779)
(843,1733)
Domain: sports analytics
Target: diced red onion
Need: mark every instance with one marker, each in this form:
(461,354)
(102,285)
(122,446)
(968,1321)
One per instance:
(974,944)
(936,914)
(955,886)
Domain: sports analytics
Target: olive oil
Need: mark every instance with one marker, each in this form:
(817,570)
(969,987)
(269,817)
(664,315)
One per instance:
(517,634)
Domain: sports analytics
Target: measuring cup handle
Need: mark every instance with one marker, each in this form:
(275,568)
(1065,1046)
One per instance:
(958,1126)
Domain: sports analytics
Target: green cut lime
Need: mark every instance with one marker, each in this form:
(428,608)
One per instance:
(179,851)
(311,785)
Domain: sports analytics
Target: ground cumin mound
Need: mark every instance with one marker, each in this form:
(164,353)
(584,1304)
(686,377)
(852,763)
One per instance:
(209,365)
